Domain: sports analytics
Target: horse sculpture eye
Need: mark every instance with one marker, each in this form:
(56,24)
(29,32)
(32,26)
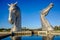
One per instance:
(13,9)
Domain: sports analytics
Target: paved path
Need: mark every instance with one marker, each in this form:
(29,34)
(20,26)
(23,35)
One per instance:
(29,33)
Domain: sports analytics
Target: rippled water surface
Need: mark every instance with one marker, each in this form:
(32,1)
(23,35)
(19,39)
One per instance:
(32,38)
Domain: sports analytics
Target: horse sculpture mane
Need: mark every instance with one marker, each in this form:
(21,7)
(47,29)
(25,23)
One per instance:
(15,17)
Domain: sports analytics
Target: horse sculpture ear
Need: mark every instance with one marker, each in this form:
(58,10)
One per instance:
(8,4)
(15,3)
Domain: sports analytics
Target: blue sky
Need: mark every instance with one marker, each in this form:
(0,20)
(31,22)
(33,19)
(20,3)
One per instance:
(30,12)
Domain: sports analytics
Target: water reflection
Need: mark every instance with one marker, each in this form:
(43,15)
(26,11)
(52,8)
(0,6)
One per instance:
(32,38)
(8,38)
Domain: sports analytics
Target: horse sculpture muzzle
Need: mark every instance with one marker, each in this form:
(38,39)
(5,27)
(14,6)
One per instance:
(11,21)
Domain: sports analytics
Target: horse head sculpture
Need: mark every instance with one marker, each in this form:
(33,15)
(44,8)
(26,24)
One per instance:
(13,8)
(14,16)
(45,24)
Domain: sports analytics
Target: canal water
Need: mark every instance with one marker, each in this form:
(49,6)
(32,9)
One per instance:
(32,38)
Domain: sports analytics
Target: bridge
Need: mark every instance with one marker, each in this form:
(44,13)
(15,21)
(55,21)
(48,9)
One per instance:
(29,33)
